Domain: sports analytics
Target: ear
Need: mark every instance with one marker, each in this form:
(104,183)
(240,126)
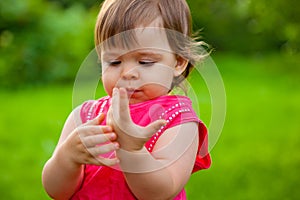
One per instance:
(181,65)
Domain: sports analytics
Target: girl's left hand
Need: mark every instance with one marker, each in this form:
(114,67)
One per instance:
(131,136)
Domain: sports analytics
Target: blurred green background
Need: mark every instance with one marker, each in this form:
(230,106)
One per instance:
(256,48)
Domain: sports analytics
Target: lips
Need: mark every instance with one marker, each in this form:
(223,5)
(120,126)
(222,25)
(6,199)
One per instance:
(132,92)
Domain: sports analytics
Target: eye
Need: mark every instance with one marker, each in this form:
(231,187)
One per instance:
(147,62)
(114,63)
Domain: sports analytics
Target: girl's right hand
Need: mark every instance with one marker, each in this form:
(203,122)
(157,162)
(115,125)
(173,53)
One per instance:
(88,142)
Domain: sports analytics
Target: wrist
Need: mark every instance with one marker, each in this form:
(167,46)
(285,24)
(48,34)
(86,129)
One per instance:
(139,161)
(65,158)
(132,148)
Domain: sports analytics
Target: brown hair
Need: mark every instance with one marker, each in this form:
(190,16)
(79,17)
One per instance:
(117,16)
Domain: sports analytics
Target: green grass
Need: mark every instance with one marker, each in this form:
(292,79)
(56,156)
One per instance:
(256,157)
(31,121)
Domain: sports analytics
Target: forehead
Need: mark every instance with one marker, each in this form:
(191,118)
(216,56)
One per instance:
(139,38)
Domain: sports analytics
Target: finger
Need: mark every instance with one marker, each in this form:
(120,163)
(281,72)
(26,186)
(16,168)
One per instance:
(102,149)
(97,120)
(120,109)
(106,161)
(154,127)
(115,101)
(99,160)
(92,141)
(109,117)
(123,104)
(89,130)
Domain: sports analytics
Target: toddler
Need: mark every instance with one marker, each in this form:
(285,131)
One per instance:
(140,141)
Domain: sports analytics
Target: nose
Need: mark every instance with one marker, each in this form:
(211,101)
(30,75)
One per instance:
(130,73)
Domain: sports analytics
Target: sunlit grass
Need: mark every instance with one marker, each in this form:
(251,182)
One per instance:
(256,157)
(31,121)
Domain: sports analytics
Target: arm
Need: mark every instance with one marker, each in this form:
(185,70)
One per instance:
(170,177)
(163,173)
(63,173)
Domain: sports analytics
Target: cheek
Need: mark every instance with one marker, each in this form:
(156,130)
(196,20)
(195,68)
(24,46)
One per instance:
(162,78)
(109,83)
(155,90)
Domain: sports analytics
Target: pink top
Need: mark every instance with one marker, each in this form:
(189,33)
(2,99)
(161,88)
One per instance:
(105,183)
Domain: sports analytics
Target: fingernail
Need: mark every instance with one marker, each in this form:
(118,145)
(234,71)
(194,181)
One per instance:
(100,117)
(107,129)
(112,136)
(115,90)
(116,145)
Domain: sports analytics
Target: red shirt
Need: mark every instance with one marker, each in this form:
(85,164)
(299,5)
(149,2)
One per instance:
(106,183)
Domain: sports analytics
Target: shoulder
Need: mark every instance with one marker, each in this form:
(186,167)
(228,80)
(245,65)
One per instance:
(178,110)
(183,123)
(165,107)
(80,115)
(91,108)
(71,123)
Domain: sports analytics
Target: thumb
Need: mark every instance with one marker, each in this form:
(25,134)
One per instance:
(154,127)
(97,120)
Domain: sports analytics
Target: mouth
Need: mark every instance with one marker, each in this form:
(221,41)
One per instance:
(132,92)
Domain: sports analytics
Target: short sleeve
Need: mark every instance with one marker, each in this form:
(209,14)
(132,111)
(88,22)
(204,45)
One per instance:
(179,113)
(91,108)
(203,160)
(87,112)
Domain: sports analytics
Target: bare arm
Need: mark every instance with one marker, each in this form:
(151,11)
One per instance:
(63,173)
(163,173)
(169,165)
(61,176)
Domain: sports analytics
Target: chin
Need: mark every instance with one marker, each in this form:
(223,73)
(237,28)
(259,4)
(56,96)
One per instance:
(134,101)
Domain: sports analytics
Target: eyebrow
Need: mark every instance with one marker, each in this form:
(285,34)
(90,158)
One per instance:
(149,53)
(109,54)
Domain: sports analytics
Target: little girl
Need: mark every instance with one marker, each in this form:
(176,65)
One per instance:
(139,142)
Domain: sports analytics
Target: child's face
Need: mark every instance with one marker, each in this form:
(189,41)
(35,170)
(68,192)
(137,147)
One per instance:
(146,70)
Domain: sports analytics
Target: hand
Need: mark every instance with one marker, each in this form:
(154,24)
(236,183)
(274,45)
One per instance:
(131,136)
(88,141)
